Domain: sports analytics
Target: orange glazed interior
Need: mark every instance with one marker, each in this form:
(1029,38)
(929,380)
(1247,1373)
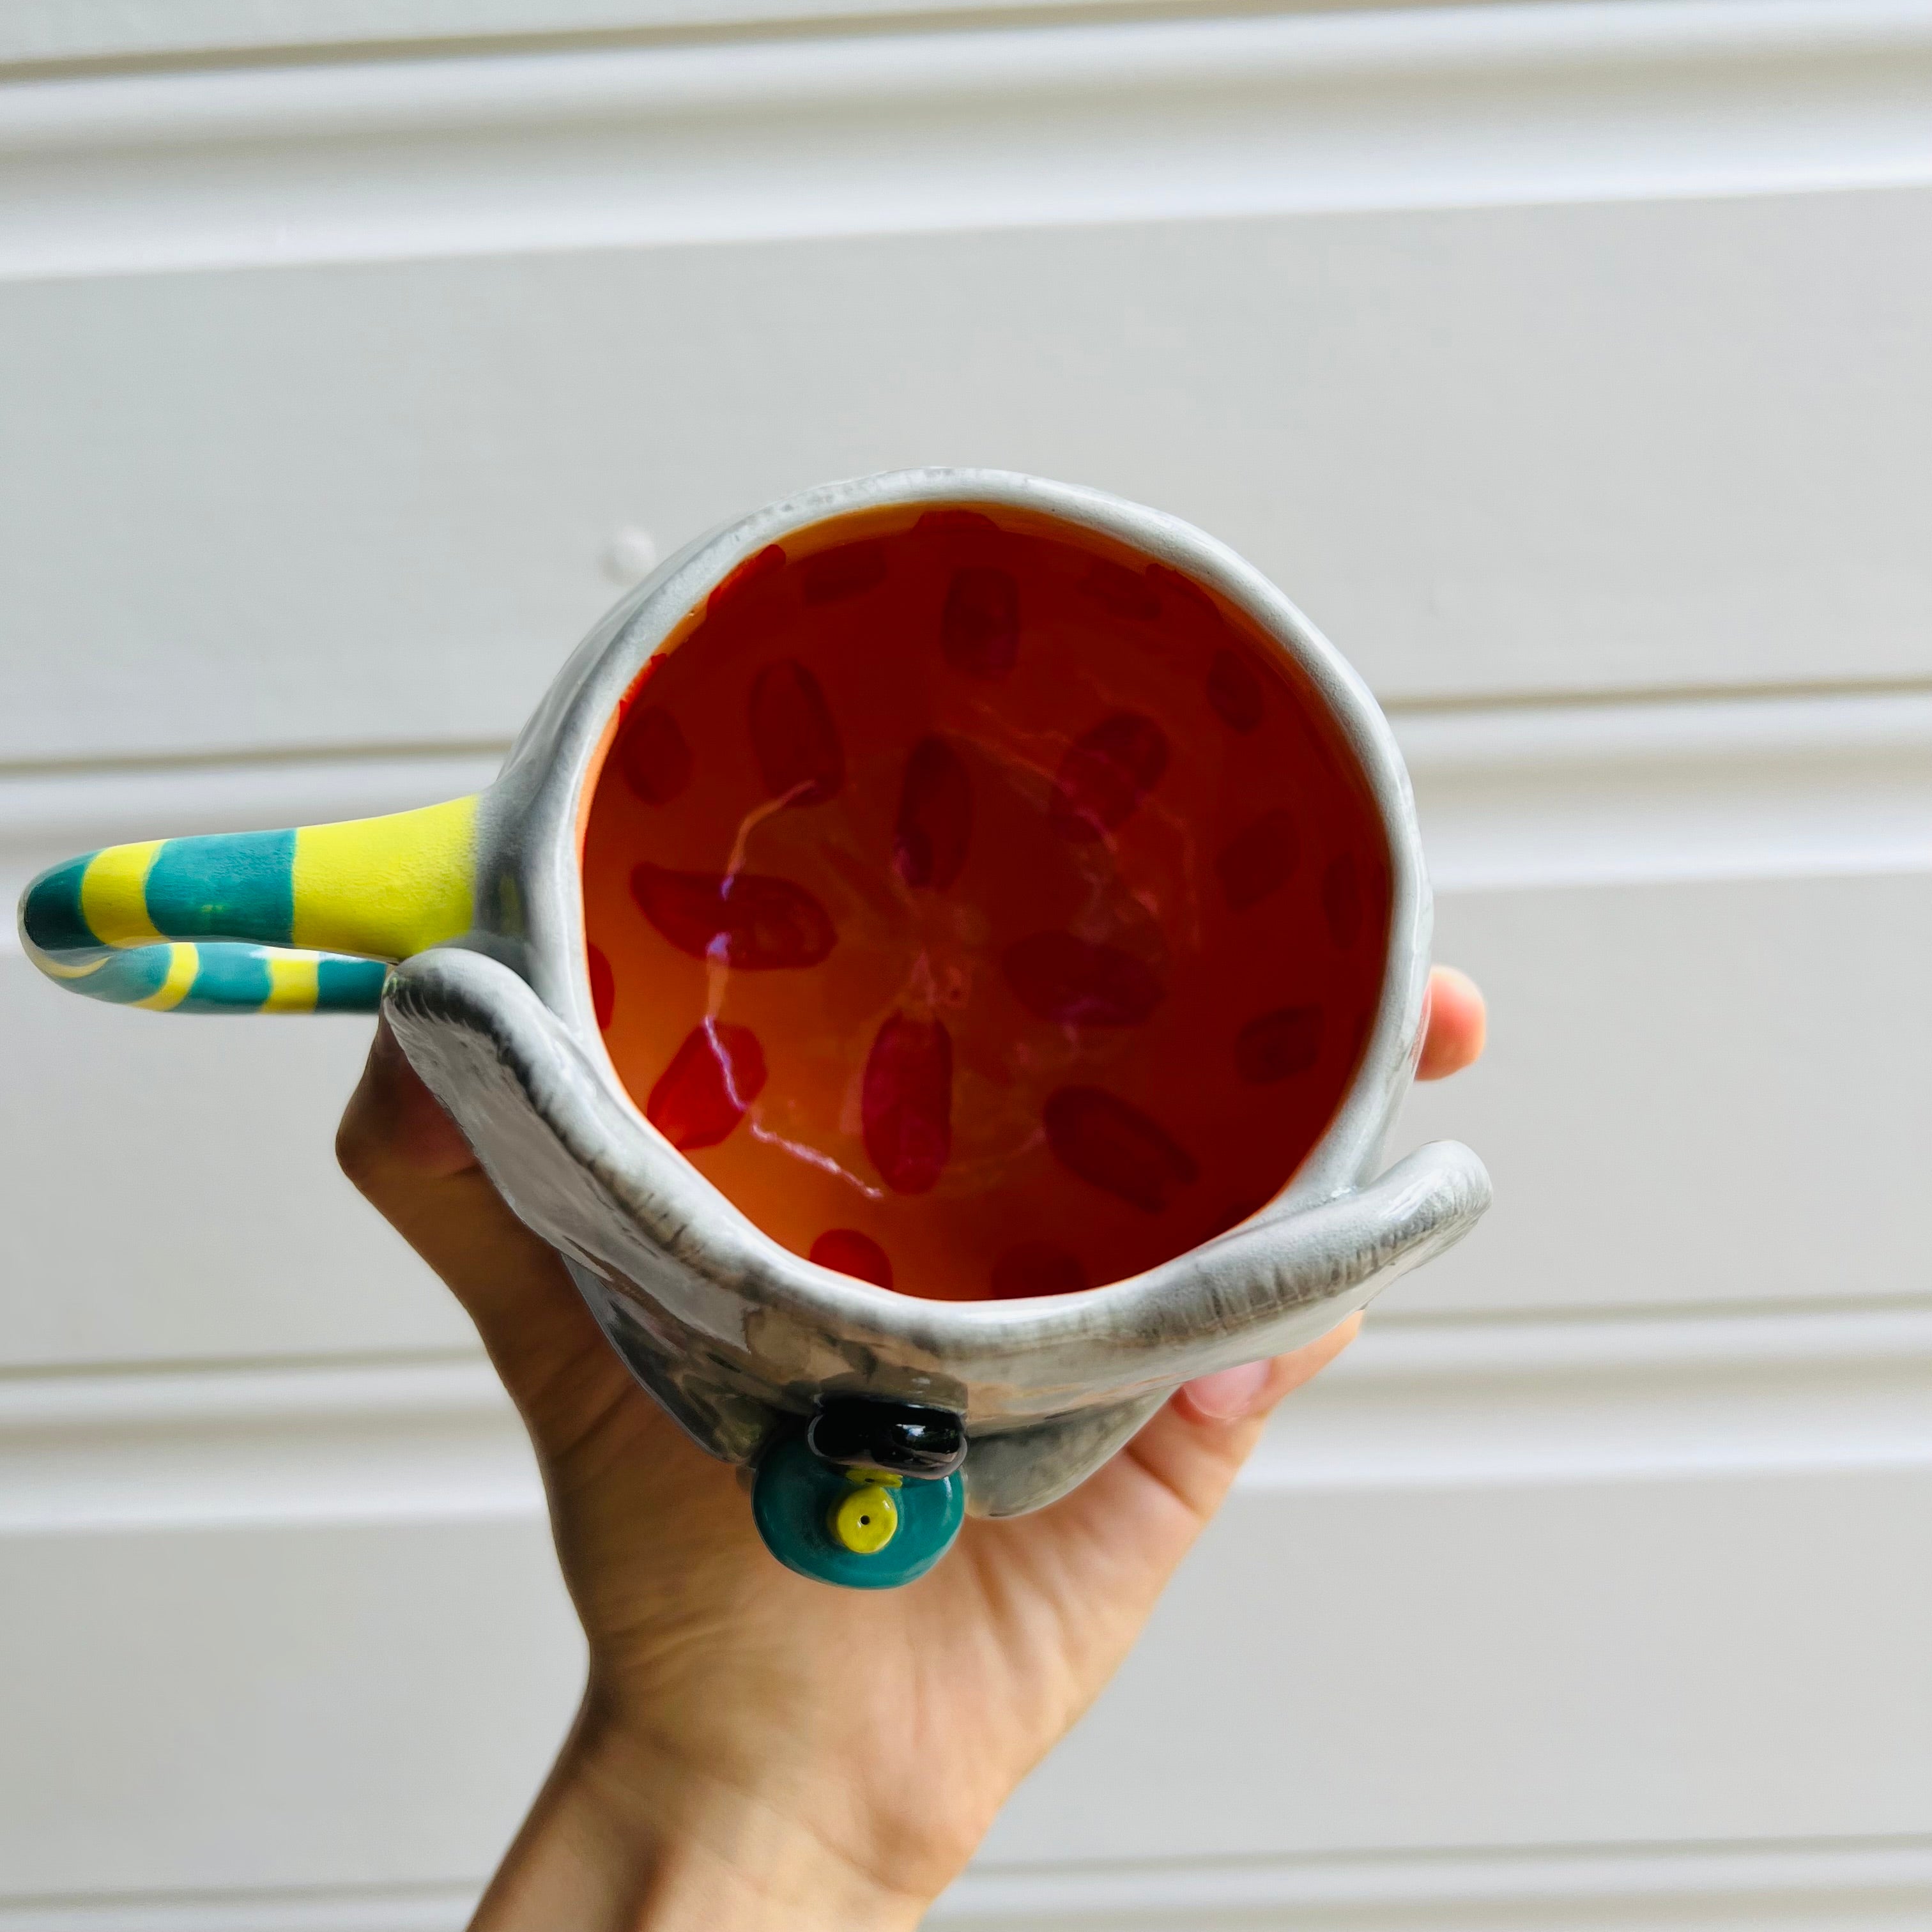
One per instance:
(984,910)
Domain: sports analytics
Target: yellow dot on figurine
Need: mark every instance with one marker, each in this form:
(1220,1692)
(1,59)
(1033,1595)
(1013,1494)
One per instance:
(865,1519)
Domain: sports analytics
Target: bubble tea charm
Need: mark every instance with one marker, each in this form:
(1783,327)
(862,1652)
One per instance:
(939,966)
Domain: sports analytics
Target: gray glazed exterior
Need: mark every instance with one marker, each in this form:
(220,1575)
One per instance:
(732,1332)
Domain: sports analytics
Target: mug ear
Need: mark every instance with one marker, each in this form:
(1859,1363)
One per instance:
(1022,1469)
(299,921)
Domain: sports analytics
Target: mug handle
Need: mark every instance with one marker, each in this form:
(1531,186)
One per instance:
(298,921)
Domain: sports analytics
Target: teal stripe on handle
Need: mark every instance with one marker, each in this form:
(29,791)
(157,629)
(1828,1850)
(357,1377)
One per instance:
(349,985)
(231,980)
(237,885)
(122,978)
(236,979)
(50,913)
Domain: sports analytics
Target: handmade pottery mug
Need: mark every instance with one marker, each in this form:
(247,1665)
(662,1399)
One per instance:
(939,966)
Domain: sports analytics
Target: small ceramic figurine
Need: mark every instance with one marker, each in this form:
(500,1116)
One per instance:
(939,967)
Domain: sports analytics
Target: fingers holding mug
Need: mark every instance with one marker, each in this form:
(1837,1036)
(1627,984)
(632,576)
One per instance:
(1455,1024)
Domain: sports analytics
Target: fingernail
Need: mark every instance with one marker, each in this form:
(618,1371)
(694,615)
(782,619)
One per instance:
(1229,1394)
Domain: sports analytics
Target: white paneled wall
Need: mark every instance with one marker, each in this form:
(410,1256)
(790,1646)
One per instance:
(1566,362)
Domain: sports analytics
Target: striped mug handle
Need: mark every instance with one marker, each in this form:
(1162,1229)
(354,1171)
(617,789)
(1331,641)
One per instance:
(296,921)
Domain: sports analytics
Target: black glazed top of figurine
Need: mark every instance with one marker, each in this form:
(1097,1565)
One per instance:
(902,1438)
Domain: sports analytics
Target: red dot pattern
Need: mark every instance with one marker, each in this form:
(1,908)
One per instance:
(1111,1144)
(1106,773)
(851,1251)
(716,1074)
(746,921)
(653,756)
(979,622)
(1278,1045)
(1036,1267)
(906,1102)
(1076,983)
(935,821)
(989,911)
(800,757)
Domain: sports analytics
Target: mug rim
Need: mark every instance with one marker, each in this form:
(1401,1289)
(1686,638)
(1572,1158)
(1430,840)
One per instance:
(553,770)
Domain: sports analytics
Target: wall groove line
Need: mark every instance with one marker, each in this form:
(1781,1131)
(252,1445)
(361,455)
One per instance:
(64,39)
(1731,1398)
(1768,786)
(1708,1883)
(1447,108)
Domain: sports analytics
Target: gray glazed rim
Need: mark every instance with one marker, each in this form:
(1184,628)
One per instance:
(532,822)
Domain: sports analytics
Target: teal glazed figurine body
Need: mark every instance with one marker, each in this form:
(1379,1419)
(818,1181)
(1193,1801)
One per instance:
(939,966)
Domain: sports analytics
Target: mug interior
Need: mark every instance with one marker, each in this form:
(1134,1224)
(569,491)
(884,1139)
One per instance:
(986,909)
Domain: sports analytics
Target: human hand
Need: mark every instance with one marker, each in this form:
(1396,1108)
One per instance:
(755,1750)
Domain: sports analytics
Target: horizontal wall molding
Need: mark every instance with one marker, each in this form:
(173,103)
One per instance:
(38,33)
(1524,796)
(1107,122)
(1681,1887)
(1445,1405)
(1882,1884)
(240,1448)
(1413,1405)
(1737,787)
(400,1908)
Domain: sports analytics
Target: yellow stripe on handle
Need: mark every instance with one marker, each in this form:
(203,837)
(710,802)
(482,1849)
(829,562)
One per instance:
(387,887)
(295,980)
(184,962)
(114,895)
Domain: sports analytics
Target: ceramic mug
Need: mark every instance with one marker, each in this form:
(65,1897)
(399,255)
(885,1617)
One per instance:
(939,967)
